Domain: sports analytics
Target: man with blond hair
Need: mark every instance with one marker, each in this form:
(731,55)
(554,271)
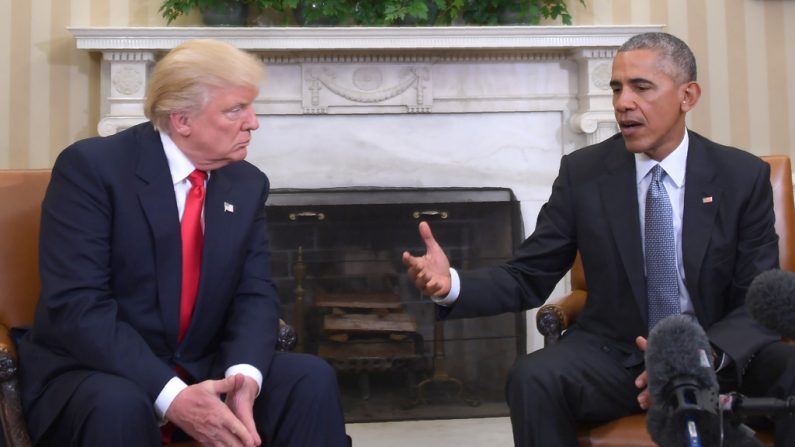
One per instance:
(158,317)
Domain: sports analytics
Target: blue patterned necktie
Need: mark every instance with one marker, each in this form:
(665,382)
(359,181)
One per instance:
(662,285)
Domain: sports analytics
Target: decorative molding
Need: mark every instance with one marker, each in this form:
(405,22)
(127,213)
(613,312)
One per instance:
(597,126)
(600,76)
(113,124)
(128,56)
(369,85)
(362,38)
(128,80)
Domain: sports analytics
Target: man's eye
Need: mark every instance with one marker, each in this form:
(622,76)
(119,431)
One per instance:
(233,112)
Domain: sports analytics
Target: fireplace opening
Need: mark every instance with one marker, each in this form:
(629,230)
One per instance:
(337,265)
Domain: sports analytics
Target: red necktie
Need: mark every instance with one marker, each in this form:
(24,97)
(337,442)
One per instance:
(192,242)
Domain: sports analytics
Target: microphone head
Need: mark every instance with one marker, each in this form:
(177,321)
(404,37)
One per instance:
(682,383)
(771,301)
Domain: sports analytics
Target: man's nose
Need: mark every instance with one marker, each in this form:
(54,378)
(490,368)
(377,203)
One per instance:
(623,100)
(251,122)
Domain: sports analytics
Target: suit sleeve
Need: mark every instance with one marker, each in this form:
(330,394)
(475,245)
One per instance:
(737,334)
(541,261)
(252,327)
(77,315)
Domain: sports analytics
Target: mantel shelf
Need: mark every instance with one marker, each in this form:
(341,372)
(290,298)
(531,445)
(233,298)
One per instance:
(362,38)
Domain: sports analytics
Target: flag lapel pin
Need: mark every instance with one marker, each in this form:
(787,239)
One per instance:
(707,199)
(229,208)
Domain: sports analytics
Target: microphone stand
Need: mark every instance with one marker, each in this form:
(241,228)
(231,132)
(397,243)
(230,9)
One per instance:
(739,406)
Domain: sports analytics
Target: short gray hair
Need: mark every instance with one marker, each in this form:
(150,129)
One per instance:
(673,50)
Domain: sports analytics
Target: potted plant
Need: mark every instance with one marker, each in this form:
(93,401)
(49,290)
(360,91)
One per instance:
(382,12)
(504,12)
(214,12)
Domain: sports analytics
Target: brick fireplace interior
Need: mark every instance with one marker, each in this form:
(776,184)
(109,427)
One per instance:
(337,264)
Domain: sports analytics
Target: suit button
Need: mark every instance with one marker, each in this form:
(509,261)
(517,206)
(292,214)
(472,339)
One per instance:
(177,355)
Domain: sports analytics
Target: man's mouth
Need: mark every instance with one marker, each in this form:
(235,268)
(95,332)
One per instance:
(629,127)
(629,123)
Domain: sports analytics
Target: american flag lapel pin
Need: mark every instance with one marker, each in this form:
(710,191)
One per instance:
(707,199)
(229,208)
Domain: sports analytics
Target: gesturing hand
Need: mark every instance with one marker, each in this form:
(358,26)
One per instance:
(430,272)
(199,412)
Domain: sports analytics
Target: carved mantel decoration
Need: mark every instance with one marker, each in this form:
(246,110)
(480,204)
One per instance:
(372,70)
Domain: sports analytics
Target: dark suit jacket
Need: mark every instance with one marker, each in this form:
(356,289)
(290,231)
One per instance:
(111,272)
(593,208)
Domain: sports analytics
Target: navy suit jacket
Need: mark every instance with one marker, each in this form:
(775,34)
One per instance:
(111,273)
(727,240)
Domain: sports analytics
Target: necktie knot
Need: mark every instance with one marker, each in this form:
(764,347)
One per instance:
(197,178)
(657,173)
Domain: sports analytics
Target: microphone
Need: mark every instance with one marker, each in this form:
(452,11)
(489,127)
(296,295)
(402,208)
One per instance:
(683,388)
(682,384)
(738,406)
(771,301)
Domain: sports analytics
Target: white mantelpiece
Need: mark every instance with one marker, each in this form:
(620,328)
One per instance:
(128,54)
(400,107)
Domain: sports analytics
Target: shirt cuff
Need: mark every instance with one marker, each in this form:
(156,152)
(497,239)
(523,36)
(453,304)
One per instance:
(246,370)
(455,289)
(722,362)
(167,396)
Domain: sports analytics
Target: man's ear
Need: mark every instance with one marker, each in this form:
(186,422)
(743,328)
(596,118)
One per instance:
(690,96)
(180,123)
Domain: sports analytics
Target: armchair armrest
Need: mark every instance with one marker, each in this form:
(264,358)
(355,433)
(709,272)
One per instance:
(14,428)
(287,338)
(553,318)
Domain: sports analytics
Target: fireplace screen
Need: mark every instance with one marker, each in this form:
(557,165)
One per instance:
(337,264)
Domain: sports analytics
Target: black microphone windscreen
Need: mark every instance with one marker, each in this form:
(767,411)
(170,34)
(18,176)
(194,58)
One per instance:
(771,301)
(681,382)
(683,386)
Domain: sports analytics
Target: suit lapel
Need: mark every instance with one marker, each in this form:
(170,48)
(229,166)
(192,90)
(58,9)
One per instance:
(620,199)
(218,228)
(156,194)
(702,199)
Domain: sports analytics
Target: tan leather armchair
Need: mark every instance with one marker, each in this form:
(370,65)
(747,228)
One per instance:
(21,194)
(555,317)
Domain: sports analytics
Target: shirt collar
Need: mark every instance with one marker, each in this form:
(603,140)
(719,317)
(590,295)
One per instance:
(674,164)
(178,163)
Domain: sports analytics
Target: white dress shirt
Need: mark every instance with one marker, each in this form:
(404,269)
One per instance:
(180,168)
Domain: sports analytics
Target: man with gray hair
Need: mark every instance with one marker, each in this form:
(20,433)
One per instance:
(666,222)
(158,318)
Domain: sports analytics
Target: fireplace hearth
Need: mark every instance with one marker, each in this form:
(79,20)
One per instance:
(337,264)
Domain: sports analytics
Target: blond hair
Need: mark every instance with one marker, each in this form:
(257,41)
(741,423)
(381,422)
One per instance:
(182,80)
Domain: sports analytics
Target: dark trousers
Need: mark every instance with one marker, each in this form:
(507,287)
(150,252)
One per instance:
(583,379)
(579,378)
(299,405)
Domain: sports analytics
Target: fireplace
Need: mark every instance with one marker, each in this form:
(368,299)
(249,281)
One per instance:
(376,123)
(337,265)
